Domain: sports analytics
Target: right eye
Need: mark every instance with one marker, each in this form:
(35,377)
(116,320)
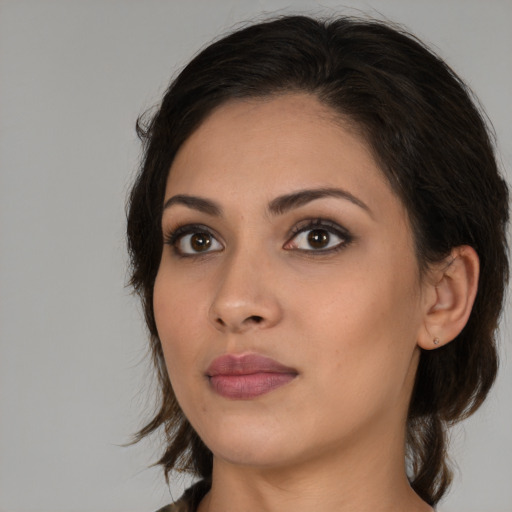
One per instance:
(193,240)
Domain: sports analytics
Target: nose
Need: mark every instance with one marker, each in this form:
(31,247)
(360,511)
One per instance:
(246,297)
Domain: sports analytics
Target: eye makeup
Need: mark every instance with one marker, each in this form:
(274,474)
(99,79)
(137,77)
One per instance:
(321,237)
(193,240)
(315,237)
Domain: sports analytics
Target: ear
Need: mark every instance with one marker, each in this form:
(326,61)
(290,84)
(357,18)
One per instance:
(449,297)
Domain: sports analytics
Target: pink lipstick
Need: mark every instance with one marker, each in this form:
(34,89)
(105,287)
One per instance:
(246,376)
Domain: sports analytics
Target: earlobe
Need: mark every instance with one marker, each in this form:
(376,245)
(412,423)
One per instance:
(453,290)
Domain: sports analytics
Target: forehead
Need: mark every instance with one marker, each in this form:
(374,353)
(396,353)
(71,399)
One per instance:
(273,146)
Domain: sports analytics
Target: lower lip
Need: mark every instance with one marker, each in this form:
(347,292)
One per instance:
(245,387)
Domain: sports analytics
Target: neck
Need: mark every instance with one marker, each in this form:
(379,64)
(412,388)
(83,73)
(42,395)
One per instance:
(373,480)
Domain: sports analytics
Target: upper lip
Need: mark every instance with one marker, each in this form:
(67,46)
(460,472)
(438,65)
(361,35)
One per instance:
(246,364)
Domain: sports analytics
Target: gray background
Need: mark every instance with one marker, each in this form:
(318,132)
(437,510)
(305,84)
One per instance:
(74,382)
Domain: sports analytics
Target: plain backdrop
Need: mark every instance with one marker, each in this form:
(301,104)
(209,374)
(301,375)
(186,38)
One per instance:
(74,380)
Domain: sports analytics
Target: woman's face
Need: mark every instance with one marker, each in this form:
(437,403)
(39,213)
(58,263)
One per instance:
(288,299)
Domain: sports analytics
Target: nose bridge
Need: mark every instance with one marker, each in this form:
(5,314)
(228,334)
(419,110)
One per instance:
(245,297)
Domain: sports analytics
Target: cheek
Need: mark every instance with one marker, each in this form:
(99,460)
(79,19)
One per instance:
(363,320)
(176,310)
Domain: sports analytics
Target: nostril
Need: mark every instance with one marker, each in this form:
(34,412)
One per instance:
(237,323)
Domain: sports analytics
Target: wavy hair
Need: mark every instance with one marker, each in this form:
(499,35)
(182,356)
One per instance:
(431,142)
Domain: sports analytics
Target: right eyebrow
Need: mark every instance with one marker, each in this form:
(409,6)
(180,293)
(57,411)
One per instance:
(196,203)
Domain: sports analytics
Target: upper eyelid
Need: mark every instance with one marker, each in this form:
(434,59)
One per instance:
(303,225)
(172,234)
(319,223)
(345,236)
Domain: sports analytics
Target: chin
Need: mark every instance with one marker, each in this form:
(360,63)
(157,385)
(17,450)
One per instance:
(263,455)
(251,443)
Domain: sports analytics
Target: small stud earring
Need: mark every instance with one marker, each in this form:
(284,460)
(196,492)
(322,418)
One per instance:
(436,341)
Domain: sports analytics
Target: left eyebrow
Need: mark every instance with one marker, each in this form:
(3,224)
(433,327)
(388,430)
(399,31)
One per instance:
(283,204)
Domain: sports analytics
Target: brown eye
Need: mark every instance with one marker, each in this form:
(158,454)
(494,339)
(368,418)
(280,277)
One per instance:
(200,241)
(194,242)
(318,238)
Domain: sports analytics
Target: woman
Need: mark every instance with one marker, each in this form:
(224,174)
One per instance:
(317,234)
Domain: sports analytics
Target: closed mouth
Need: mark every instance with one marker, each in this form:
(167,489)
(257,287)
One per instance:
(247,376)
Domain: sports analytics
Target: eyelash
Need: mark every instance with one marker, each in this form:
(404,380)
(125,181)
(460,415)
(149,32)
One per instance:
(173,237)
(324,225)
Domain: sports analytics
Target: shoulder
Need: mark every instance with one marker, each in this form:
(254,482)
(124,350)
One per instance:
(175,507)
(179,506)
(190,499)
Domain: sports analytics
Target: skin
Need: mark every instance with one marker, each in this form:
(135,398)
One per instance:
(349,321)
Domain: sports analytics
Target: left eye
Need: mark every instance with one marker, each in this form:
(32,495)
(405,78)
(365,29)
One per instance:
(317,239)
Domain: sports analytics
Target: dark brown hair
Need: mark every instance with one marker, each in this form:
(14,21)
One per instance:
(430,141)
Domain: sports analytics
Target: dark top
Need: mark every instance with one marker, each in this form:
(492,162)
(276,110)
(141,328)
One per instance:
(190,499)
